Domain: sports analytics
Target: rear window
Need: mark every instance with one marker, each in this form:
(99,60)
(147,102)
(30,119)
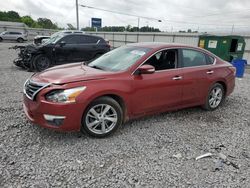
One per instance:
(15,33)
(88,39)
(192,58)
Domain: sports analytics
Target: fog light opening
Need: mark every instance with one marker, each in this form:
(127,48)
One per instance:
(54,120)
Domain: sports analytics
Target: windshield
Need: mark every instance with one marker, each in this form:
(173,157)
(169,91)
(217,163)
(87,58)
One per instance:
(119,59)
(54,38)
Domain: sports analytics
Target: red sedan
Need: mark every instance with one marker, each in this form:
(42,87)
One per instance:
(128,82)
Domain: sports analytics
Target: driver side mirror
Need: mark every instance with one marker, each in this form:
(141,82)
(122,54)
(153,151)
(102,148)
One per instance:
(146,69)
(62,43)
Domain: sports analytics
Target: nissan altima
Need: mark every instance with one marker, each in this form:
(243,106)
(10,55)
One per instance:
(129,82)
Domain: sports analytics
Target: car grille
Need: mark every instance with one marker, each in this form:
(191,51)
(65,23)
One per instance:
(31,89)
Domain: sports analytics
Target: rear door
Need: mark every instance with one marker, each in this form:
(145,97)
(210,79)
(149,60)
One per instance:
(197,72)
(87,47)
(161,90)
(13,35)
(68,52)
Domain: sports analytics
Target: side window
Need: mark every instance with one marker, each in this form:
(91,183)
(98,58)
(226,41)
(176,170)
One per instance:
(192,58)
(163,60)
(88,40)
(71,39)
(210,60)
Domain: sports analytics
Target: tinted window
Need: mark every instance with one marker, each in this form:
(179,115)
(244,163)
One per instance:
(15,33)
(163,60)
(71,39)
(88,39)
(191,58)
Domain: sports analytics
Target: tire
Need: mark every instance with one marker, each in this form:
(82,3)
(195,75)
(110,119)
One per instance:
(1,39)
(20,40)
(102,117)
(215,98)
(41,62)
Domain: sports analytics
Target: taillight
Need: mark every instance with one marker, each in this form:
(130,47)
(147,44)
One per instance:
(108,44)
(233,69)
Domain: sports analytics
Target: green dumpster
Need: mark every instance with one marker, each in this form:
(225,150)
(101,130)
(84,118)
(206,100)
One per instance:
(226,47)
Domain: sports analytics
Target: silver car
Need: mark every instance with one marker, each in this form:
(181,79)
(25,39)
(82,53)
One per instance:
(13,35)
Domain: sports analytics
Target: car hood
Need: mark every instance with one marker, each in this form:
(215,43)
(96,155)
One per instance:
(69,73)
(31,48)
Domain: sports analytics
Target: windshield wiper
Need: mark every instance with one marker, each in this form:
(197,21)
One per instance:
(96,67)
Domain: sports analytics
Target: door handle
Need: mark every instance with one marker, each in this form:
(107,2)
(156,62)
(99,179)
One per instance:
(177,78)
(210,72)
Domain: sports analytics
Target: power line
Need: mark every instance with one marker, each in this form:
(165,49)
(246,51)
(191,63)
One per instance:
(160,20)
(118,12)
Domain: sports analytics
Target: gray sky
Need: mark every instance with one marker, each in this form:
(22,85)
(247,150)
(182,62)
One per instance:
(212,15)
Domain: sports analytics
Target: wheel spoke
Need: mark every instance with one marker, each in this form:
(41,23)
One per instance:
(92,116)
(93,111)
(112,119)
(217,92)
(106,109)
(103,127)
(92,124)
(213,92)
(214,103)
(211,101)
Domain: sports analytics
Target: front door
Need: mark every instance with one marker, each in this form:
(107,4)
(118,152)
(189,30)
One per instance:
(161,90)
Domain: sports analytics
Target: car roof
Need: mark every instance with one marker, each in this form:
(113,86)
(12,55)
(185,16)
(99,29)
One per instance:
(81,34)
(156,45)
(162,45)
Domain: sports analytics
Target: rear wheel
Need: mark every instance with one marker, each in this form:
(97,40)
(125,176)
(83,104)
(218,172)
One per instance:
(102,117)
(1,39)
(215,97)
(41,62)
(20,40)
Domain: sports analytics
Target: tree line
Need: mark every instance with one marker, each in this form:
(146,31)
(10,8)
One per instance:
(128,28)
(13,16)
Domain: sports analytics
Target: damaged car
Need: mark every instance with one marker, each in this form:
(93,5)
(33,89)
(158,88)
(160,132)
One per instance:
(40,39)
(60,49)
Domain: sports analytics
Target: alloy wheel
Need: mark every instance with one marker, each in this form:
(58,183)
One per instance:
(101,118)
(43,63)
(215,97)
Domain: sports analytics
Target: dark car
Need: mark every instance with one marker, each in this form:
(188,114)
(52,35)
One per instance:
(60,49)
(38,40)
(129,82)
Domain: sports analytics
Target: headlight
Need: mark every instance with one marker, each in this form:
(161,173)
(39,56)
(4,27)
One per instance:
(64,96)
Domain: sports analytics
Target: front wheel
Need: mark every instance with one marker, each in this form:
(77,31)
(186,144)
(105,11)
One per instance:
(102,117)
(215,97)
(1,39)
(20,40)
(41,62)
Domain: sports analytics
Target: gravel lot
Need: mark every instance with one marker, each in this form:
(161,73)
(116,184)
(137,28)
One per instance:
(157,151)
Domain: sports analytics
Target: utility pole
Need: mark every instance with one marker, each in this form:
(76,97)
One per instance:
(232,29)
(77,16)
(138,24)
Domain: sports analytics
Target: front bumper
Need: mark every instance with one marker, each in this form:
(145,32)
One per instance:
(38,112)
(23,60)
